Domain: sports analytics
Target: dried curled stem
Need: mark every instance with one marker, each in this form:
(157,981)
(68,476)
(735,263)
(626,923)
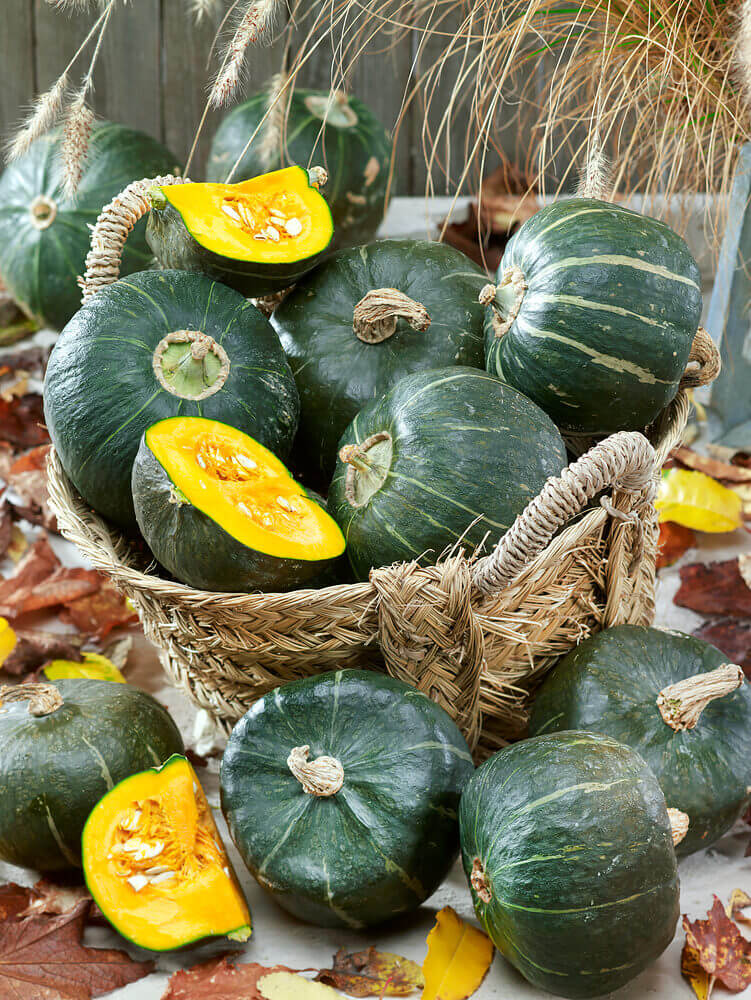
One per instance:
(682,703)
(321,777)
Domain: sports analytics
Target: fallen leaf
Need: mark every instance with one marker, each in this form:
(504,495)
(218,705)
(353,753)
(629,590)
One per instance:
(372,973)
(217,980)
(732,637)
(42,958)
(697,501)
(100,612)
(739,901)
(698,979)
(22,421)
(716,588)
(14,900)
(34,648)
(724,472)
(675,540)
(458,959)
(285,985)
(721,950)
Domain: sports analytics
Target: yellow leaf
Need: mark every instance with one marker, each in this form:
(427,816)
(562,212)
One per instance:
(458,959)
(94,668)
(288,986)
(8,640)
(697,501)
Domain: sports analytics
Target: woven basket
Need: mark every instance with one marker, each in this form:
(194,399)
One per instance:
(473,633)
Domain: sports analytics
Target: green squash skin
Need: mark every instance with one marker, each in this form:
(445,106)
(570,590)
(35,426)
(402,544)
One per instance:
(627,326)
(336,373)
(55,768)
(572,832)
(101,393)
(356,156)
(610,683)
(40,268)
(466,446)
(198,551)
(175,247)
(385,841)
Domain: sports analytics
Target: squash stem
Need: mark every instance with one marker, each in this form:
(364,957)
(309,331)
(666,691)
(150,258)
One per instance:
(43,699)
(682,703)
(321,777)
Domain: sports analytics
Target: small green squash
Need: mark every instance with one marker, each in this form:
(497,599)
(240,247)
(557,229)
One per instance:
(568,847)
(64,746)
(220,512)
(364,319)
(677,702)
(341,791)
(594,314)
(313,126)
(44,234)
(444,451)
(153,346)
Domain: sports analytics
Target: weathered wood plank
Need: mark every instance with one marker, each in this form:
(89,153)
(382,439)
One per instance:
(16,62)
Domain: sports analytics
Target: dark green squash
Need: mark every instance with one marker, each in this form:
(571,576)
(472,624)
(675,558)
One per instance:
(595,311)
(340,792)
(64,746)
(153,346)
(364,319)
(44,235)
(567,845)
(697,740)
(338,131)
(441,450)
(220,512)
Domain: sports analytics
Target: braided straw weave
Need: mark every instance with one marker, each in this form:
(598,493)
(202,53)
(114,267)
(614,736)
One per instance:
(474,634)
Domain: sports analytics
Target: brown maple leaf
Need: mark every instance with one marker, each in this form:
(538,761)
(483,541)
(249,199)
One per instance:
(218,980)
(100,612)
(720,948)
(372,973)
(732,637)
(42,958)
(674,541)
(716,588)
(34,648)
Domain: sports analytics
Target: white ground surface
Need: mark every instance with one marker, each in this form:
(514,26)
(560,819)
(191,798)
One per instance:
(278,938)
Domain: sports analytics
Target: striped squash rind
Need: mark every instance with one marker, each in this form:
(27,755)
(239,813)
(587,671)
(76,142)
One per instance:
(55,768)
(571,836)
(610,684)
(387,839)
(469,453)
(611,307)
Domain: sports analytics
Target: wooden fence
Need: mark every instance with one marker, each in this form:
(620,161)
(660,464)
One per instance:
(152,75)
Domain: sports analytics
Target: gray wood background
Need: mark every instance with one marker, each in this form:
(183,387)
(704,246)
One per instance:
(152,75)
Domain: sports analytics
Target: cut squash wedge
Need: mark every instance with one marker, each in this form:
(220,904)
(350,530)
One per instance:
(155,863)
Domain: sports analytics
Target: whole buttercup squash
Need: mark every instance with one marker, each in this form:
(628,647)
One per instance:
(156,865)
(44,234)
(341,791)
(567,844)
(64,746)
(312,126)
(677,702)
(258,236)
(152,346)
(364,319)
(221,512)
(594,313)
(448,455)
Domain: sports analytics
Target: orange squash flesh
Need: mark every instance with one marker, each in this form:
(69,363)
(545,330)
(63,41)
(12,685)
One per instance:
(155,863)
(244,488)
(274,218)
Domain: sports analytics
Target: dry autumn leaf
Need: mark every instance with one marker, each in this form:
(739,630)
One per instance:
(100,612)
(458,959)
(372,973)
(675,540)
(720,948)
(716,588)
(218,980)
(732,637)
(42,958)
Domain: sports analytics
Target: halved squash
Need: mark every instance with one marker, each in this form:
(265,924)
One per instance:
(258,236)
(156,865)
(221,512)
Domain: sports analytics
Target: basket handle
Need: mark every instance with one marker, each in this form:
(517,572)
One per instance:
(111,230)
(624,461)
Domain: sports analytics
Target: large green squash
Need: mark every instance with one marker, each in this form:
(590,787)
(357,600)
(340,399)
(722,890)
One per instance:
(64,746)
(153,346)
(444,451)
(352,145)
(673,699)
(364,319)
(594,314)
(567,845)
(44,235)
(341,791)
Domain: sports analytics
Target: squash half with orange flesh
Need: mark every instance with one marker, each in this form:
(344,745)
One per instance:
(258,236)
(221,512)
(155,863)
